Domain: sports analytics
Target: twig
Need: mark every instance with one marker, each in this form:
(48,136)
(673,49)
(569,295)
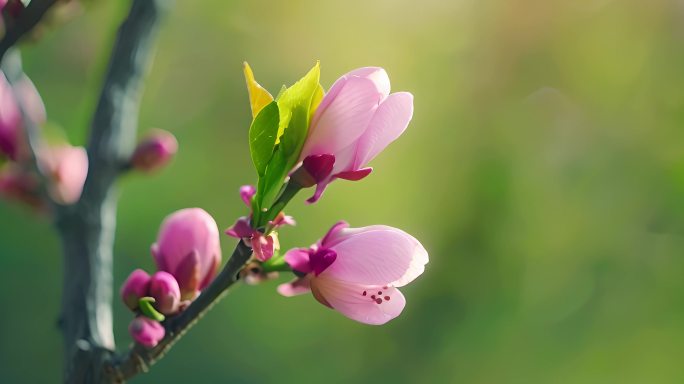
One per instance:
(27,20)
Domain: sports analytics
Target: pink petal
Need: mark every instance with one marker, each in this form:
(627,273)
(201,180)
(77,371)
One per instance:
(389,122)
(240,229)
(369,304)
(298,259)
(377,75)
(166,292)
(354,175)
(246,193)
(377,255)
(333,236)
(320,188)
(340,121)
(187,273)
(295,287)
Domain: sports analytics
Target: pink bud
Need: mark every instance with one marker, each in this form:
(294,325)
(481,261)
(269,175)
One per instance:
(155,151)
(10,119)
(188,247)
(264,246)
(246,193)
(66,167)
(135,287)
(164,288)
(146,332)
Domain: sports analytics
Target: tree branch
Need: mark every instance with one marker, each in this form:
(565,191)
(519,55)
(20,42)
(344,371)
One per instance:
(27,20)
(139,358)
(87,228)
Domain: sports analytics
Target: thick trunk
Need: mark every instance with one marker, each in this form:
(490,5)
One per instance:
(87,239)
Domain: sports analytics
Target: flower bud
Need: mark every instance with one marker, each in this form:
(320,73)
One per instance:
(188,248)
(135,287)
(155,151)
(67,169)
(146,332)
(164,288)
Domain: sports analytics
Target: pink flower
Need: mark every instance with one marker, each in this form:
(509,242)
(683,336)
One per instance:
(355,121)
(66,167)
(155,151)
(357,271)
(146,331)
(188,248)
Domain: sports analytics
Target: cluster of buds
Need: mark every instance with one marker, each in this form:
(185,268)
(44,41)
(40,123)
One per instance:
(63,167)
(187,254)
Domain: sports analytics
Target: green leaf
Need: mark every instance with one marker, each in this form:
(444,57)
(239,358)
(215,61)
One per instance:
(262,136)
(298,96)
(145,305)
(294,110)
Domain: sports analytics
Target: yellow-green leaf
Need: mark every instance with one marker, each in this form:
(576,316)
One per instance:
(258,96)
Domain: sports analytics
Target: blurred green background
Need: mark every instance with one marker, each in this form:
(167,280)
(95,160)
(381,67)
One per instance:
(543,171)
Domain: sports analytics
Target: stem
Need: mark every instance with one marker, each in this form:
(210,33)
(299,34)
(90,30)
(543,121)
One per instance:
(289,191)
(139,358)
(27,20)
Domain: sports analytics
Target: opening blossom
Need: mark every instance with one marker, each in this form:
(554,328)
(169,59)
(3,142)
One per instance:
(357,271)
(354,122)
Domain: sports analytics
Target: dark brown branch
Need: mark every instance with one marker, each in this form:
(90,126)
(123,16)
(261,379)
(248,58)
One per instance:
(27,20)
(87,228)
(139,358)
